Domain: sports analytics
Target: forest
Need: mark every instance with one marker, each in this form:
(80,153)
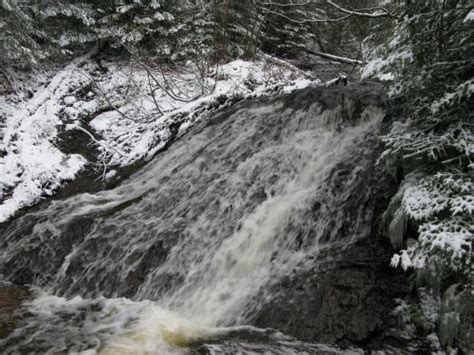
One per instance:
(173,167)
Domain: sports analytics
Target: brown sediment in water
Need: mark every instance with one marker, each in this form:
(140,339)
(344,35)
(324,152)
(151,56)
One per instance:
(11,299)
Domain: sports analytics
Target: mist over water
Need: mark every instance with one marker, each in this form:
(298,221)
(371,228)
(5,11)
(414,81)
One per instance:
(190,246)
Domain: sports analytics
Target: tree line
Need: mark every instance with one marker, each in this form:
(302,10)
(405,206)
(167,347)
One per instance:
(33,31)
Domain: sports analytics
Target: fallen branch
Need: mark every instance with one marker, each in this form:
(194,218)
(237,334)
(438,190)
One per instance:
(342,79)
(334,57)
(284,64)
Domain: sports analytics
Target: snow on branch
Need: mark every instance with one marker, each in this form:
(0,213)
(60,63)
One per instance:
(308,20)
(334,57)
(271,3)
(379,12)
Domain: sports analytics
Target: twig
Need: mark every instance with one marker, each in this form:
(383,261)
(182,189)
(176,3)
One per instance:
(106,98)
(96,141)
(361,14)
(152,93)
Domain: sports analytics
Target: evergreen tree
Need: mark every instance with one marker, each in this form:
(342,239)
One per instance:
(432,147)
(75,24)
(70,24)
(192,36)
(432,65)
(22,43)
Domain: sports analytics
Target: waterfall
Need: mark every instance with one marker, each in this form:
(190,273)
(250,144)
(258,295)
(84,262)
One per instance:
(190,246)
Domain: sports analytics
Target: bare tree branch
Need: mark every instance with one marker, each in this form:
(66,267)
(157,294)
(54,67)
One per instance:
(103,94)
(152,93)
(103,145)
(166,87)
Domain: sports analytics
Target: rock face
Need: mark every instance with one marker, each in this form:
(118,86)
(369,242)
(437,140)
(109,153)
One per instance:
(347,300)
(349,296)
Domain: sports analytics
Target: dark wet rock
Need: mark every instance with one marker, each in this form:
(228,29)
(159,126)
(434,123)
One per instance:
(34,263)
(10,301)
(262,341)
(348,298)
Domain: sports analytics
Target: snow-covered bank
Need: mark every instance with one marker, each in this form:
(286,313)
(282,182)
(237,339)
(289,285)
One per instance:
(32,165)
(112,102)
(131,135)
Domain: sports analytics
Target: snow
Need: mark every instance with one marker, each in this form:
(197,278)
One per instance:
(377,66)
(111,174)
(395,261)
(402,259)
(425,197)
(69,100)
(462,204)
(142,138)
(462,91)
(421,202)
(441,204)
(33,166)
(130,127)
(446,235)
(469,16)
(386,77)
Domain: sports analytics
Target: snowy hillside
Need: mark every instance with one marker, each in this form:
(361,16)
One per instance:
(113,104)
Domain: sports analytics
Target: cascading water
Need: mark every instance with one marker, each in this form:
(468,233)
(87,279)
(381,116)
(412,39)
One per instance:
(195,240)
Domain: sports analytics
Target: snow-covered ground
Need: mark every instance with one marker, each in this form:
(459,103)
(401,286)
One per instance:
(32,165)
(112,102)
